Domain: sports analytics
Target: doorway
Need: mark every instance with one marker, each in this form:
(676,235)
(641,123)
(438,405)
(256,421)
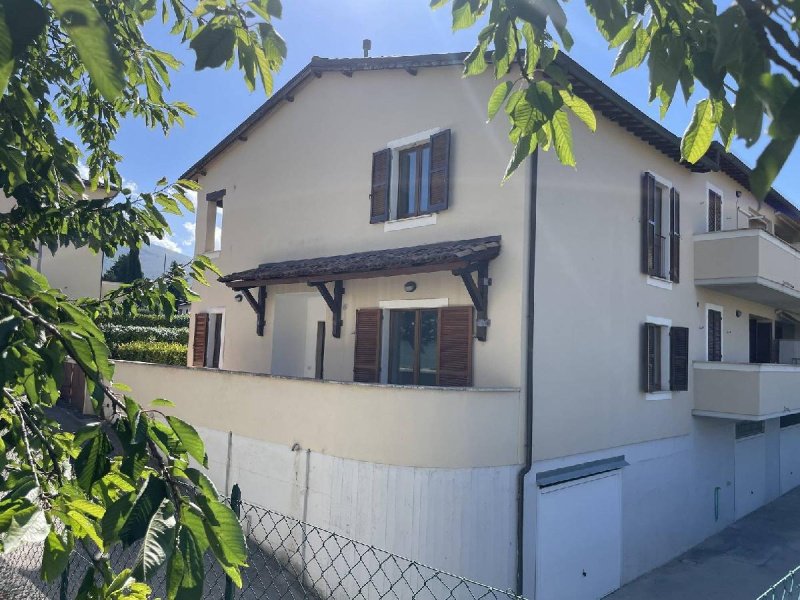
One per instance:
(760,340)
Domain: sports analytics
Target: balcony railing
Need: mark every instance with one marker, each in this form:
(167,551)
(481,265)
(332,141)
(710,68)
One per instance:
(751,264)
(745,391)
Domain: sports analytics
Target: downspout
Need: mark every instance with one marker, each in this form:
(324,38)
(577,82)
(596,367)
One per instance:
(526,467)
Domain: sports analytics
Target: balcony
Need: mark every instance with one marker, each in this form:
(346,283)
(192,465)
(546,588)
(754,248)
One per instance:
(751,264)
(751,392)
(389,424)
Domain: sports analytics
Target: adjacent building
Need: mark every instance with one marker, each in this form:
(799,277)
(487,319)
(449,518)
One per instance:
(558,383)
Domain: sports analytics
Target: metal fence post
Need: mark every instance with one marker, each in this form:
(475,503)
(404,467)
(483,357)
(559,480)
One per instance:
(236,506)
(63,593)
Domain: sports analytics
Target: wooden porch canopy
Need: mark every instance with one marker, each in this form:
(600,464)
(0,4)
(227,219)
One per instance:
(461,257)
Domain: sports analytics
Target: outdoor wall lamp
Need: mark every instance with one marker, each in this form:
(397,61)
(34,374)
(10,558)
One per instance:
(410,286)
(738,313)
(238,297)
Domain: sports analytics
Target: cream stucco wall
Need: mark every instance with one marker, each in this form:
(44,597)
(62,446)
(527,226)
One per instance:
(591,297)
(393,425)
(299,188)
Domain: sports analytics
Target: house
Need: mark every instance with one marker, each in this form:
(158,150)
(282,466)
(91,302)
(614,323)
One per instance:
(77,272)
(554,385)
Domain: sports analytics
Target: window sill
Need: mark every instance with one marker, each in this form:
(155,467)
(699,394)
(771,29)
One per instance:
(658,282)
(410,222)
(665,395)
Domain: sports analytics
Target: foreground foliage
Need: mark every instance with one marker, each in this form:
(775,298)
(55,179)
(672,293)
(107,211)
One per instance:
(744,57)
(80,67)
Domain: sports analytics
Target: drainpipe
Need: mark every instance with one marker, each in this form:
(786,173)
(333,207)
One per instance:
(526,467)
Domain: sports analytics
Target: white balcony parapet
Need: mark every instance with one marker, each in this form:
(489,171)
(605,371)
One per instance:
(745,391)
(389,424)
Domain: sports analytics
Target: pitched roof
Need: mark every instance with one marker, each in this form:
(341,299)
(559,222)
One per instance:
(441,256)
(599,95)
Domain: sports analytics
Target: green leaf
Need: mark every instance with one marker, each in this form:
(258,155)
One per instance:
(562,135)
(27,526)
(158,542)
(162,402)
(749,113)
(633,51)
(150,496)
(83,527)
(55,556)
(499,96)
(94,43)
(522,149)
(190,439)
(185,570)
(700,133)
(92,462)
(224,532)
(87,507)
(769,165)
(580,108)
(212,45)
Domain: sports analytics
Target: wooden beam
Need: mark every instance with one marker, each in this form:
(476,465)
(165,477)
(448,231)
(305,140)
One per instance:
(259,306)
(479,294)
(334,302)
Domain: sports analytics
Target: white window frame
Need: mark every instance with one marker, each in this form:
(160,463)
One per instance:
(710,187)
(217,310)
(666,325)
(663,282)
(721,311)
(395,224)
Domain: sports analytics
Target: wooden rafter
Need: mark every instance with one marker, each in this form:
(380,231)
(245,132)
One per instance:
(479,294)
(334,302)
(259,306)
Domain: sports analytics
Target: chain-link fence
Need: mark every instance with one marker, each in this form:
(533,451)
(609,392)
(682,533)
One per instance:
(288,559)
(787,588)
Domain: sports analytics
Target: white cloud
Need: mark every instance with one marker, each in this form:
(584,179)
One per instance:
(167,243)
(189,227)
(192,195)
(131,185)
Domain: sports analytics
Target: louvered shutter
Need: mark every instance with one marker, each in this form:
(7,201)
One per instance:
(714,211)
(200,339)
(439,180)
(455,346)
(648,223)
(679,359)
(379,196)
(714,335)
(367,361)
(674,235)
(649,366)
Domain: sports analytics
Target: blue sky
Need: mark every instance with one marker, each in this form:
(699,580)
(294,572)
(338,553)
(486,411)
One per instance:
(335,29)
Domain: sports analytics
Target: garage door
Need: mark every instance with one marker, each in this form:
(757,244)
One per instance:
(750,475)
(579,538)
(790,452)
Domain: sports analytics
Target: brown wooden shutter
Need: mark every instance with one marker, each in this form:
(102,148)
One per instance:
(367,362)
(455,346)
(679,359)
(439,180)
(379,196)
(200,339)
(648,223)
(649,356)
(674,235)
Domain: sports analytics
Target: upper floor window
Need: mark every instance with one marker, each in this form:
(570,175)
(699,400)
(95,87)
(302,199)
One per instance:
(213,230)
(660,229)
(421,185)
(714,210)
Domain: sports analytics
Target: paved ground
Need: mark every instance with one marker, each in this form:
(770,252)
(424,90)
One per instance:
(742,561)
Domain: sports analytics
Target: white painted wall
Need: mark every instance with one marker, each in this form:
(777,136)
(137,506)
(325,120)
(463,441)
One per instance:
(457,520)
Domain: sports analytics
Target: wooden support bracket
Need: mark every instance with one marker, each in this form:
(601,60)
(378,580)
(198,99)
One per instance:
(259,306)
(334,302)
(479,294)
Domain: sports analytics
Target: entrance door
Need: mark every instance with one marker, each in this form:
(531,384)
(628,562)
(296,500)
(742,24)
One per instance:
(579,538)
(750,483)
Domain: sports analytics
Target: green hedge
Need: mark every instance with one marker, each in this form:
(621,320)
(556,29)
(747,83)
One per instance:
(121,334)
(147,320)
(164,353)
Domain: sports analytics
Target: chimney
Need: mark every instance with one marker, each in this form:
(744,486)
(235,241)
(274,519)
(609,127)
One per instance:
(367,46)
